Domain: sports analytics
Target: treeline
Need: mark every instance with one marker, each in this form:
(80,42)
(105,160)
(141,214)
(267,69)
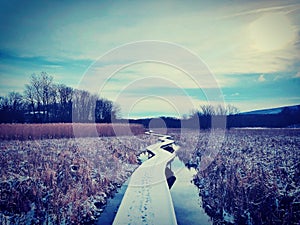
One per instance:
(210,116)
(228,116)
(44,101)
(286,118)
(206,117)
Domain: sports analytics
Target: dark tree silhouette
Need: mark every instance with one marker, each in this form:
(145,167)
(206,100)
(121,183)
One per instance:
(46,102)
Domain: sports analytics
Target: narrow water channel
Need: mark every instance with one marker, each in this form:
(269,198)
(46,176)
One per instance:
(185,196)
(109,213)
(186,200)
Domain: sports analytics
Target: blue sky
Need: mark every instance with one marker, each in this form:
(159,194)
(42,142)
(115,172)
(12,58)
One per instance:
(250,48)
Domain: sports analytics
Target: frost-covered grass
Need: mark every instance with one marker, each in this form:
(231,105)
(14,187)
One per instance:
(63,181)
(253,179)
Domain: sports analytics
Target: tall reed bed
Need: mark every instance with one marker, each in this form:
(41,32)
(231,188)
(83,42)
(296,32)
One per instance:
(65,130)
(254,178)
(64,181)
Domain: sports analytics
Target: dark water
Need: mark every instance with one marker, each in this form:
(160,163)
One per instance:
(185,196)
(186,200)
(110,211)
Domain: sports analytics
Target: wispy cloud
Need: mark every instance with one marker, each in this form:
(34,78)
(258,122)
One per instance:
(235,94)
(226,46)
(286,8)
(261,78)
(66,39)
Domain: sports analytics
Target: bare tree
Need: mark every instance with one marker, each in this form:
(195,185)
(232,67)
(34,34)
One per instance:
(4,103)
(207,110)
(38,93)
(12,102)
(12,108)
(220,110)
(116,111)
(84,105)
(64,93)
(46,82)
(50,102)
(232,110)
(105,111)
(29,97)
(64,100)
(16,101)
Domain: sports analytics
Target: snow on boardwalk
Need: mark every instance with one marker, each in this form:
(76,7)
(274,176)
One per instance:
(147,199)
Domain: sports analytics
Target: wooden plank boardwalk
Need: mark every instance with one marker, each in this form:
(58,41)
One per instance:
(147,199)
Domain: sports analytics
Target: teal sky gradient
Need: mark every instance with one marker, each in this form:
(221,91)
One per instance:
(251,48)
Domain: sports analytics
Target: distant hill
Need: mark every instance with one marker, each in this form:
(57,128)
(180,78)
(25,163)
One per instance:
(293,108)
(280,117)
(285,116)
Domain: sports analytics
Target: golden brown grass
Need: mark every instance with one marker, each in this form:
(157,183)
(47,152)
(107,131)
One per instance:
(65,130)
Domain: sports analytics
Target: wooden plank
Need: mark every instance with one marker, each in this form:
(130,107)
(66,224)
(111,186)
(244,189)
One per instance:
(147,199)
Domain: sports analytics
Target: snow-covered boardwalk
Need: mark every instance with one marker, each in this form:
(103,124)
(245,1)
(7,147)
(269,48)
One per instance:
(147,199)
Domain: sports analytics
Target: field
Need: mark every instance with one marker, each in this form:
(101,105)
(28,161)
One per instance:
(251,176)
(63,181)
(65,130)
(254,177)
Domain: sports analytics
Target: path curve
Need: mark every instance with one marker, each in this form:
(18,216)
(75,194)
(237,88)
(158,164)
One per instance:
(147,199)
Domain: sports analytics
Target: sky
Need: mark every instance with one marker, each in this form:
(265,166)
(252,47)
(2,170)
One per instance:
(157,58)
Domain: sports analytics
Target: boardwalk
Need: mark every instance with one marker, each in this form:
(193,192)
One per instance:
(147,199)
